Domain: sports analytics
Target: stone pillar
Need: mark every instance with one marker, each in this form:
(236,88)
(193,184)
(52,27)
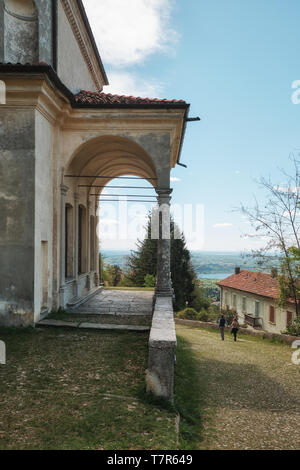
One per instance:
(62,278)
(96,252)
(76,222)
(162,219)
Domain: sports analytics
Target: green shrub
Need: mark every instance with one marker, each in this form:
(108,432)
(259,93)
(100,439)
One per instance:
(149,280)
(203,315)
(188,314)
(294,328)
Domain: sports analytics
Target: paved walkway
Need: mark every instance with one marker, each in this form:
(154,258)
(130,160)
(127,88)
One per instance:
(117,302)
(108,310)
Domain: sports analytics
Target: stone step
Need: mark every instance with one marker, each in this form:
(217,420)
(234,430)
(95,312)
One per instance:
(90,326)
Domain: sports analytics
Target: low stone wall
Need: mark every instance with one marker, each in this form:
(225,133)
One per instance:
(162,346)
(288,339)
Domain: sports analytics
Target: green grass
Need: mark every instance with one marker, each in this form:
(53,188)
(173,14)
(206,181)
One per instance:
(72,389)
(240,396)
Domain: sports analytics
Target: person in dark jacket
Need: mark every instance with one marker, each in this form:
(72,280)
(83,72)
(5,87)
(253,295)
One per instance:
(221,324)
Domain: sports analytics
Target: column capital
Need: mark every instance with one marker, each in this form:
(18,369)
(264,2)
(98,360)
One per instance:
(76,197)
(63,189)
(164,192)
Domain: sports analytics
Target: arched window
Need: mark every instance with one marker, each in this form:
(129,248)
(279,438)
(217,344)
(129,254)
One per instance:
(81,239)
(92,243)
(21,31)
(69,242)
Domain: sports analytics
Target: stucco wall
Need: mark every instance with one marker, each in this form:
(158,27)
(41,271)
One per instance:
(44,8)
(1,30)
(265,303)
(43,209)
(17,167)
(72,68)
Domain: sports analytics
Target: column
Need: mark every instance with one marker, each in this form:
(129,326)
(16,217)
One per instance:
(62,279)
(76,205)
(164,282)
(96,252)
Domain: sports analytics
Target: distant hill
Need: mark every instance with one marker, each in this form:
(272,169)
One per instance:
(207,264)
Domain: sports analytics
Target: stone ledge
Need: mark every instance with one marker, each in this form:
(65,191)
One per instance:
(76,301)
(162,345)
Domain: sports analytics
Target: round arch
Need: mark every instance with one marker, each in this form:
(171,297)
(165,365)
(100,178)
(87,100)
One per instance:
(110,156)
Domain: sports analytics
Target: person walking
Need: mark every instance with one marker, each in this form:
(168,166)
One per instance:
(234,327)
(221,324)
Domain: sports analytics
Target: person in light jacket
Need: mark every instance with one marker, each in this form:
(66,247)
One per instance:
(235,327)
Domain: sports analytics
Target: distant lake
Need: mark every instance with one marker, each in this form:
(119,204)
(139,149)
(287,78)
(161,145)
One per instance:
(207,264)
(214,276)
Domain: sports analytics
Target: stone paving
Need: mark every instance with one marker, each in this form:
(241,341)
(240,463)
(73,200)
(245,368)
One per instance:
(116,302)
(108,309)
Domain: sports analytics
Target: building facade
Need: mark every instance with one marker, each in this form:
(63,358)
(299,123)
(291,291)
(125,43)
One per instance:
(254,296)
(59,146)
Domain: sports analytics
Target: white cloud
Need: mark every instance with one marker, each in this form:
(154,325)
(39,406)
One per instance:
(127,32)
(225,224)
(127,83)
(175,179)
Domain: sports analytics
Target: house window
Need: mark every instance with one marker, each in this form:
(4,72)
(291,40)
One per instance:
(272,314)
(226,300)
(244,304)
(257,309)
(289,318)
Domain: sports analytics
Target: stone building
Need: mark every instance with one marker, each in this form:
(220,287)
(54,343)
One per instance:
(56,141)
(254,296)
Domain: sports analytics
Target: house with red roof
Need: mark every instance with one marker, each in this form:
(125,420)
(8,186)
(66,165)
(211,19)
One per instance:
(254,296)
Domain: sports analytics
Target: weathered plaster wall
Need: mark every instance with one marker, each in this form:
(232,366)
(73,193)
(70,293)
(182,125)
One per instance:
(44,8)
(72,68)
(21,38)
(17,167)
(1,30)
(43,209)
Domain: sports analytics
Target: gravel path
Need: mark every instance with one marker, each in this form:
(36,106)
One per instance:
(251,394)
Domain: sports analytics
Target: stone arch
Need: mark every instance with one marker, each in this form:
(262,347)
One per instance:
(110,156)
(21,31)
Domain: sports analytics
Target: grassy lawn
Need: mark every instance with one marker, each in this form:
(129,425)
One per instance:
(243,395)
(72,389)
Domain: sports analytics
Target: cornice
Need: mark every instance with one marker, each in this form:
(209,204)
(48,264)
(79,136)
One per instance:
(82,38)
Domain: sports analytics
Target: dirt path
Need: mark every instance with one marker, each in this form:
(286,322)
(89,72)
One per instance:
(251,392)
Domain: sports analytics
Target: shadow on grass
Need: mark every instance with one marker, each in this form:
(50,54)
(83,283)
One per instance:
(189,396)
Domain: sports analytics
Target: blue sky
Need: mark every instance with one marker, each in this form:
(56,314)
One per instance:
(234,61)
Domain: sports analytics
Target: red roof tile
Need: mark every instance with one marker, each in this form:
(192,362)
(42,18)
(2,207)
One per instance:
(90,97)
(254,282)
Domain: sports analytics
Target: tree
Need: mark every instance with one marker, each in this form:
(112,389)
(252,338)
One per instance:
(113,274)
(143,262)
(278,223)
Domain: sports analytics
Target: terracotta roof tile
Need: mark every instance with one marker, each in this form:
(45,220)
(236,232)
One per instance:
(90,97)
(254,282)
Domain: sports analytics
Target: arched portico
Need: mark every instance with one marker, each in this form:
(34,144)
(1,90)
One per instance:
(89,169)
